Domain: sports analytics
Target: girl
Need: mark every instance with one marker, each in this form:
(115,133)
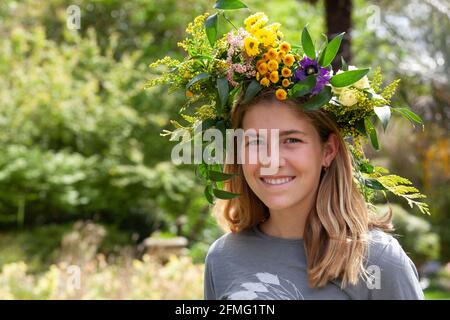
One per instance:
(305,232)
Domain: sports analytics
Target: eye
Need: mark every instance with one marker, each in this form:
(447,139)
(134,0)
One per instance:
(254,142)
(292,140)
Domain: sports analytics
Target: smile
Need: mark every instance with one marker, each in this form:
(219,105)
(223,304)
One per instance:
(277,181)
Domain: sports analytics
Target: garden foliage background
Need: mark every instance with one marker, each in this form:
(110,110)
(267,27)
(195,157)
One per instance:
(85,176)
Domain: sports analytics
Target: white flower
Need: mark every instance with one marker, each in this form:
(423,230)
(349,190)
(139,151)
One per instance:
(268,278)
(348,97)
(362,83)
(254,286)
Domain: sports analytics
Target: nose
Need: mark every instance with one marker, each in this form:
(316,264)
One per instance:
(272,158)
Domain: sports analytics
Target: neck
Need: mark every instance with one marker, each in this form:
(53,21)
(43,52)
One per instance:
(288,223)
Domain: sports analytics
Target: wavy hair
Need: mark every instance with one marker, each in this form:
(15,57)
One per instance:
(336,230)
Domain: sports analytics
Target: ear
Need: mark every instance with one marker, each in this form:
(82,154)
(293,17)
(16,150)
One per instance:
(330,150)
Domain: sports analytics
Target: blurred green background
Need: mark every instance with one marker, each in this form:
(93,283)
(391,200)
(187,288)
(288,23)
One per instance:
(86,179)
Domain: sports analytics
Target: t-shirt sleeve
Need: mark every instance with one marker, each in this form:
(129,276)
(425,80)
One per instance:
(395,275)
(209,293)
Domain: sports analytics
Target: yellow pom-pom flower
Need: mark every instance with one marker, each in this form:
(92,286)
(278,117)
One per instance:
(281,94)
(265,82)
(272,53)
(285,83)
(251,45)
(289,60)
(286,47)
(286,72)
(274,76)
(262,68)
(272,65)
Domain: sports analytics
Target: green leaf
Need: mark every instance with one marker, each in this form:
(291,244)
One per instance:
(384,114)
(202,169)
(330,51)
(366,168)
(307,44)
(374,184)
(219,176)
(253,88)
(197,78)
(208,123)
(229,4)
(361,127)
(347,78)
(303,87)
(223,89)
(372,133)
(319,99)
(209,195)
(344,64)
(211,29)
(409,114)
(225,194)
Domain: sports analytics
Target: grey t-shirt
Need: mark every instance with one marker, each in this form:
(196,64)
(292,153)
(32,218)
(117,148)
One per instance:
(252,265)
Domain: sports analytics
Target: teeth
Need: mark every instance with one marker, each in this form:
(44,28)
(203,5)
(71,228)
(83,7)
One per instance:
(277,181)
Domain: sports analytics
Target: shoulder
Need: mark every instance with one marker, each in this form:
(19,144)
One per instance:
(385,250)
(394,275)
(228,243)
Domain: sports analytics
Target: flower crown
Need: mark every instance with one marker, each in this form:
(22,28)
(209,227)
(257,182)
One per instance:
(221,70)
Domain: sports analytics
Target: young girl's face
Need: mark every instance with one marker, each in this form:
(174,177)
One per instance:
(300,158)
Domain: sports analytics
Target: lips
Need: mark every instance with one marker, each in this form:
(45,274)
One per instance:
(277,181)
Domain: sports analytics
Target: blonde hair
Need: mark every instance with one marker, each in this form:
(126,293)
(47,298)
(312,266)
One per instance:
(336,229)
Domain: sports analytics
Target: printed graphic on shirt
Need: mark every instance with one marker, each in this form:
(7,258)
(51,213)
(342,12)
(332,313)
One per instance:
(267,286)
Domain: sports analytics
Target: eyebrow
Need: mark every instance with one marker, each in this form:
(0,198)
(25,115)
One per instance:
(284,133)
(288,132)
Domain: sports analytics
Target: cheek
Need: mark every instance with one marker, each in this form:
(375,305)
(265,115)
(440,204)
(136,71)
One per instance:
(249,171)
(306,161)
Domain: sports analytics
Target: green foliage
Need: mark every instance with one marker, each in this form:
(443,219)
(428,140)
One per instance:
(80,138)
(414,233)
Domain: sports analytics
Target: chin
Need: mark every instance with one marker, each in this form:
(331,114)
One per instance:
(278,204)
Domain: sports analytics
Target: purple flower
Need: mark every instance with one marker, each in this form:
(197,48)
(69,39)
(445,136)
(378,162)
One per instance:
(309,66)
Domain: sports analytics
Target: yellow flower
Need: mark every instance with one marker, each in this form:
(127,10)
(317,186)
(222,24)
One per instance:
(257,76)
(262,68)
(281,94)
(272,53)
(265,57)
(272,65)
(285,83)
(274,27)
(258,63)
(251,46)
(255,22)
(281,55)
(286,72)
(265,82)
(274,76)
(286,47)
(289,60)
(266,37)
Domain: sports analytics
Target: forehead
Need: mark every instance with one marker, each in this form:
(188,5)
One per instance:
(275,115)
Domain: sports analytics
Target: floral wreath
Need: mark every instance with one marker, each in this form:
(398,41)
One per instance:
(221,70)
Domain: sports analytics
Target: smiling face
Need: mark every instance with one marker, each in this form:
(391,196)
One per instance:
(300,158)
